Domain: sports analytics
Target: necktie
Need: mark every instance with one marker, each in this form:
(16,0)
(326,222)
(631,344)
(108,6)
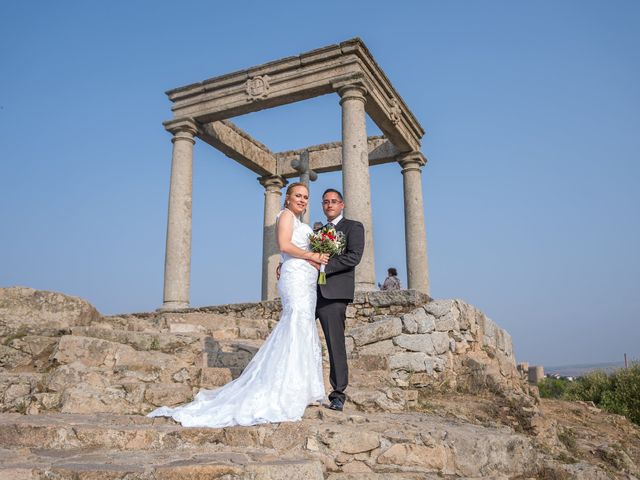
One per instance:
(330,225)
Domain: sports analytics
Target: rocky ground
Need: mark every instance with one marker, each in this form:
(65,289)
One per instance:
(434,394)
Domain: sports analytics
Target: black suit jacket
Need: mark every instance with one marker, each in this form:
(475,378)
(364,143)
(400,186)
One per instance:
(340,270)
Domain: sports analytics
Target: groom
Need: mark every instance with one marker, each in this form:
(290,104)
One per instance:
(333,297)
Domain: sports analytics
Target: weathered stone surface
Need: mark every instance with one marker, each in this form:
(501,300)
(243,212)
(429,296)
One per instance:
(164,342)
(390,400)
(387,476)
(448,321)
(349,345)
(418,321)
(369,362)
(435,343)
(396,297)
(16,392)
(438,308)
(285,470)
(12,358)
(409,324)
(430,458)
(383,348)
(94,352)
(197,472)
(215,377)
(131,374)
(32,311)
(162,394)
(356,466)
(87,399)
(33,345)
(493,454)
(376,332)
(350,440)
(467,319)
(411,361)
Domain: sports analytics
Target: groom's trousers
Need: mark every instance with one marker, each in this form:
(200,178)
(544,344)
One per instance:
(332,314)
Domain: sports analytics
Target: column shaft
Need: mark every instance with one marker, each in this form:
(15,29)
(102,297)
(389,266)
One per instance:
(177,266)
(415,233)
(355,177)
(270,253)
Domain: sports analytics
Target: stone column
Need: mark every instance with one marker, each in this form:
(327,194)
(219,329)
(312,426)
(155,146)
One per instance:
(270,254)
(355,176)
(414,229)
(177,264)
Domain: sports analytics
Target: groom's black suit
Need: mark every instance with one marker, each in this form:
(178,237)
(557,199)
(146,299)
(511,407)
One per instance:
(333,298)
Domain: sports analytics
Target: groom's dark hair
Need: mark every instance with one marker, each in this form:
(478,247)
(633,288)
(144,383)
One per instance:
(334,191)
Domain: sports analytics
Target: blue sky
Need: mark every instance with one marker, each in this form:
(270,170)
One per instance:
(532,114)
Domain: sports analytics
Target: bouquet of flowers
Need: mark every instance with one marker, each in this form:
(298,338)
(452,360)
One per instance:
(327,240)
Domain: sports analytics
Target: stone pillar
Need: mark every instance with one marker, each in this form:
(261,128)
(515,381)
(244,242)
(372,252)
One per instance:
(270,254)
(414,229)
(355,176)
(177,264)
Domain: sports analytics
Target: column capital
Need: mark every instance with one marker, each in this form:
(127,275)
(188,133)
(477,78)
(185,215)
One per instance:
(273,183)
(411,161)
(182,127)
(352,89)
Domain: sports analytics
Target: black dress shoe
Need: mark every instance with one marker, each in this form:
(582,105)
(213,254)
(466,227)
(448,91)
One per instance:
(336,404)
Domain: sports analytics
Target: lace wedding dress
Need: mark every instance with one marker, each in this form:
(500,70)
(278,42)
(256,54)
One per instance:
(285,375)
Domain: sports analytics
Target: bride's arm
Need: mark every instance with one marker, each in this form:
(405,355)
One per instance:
(284,233)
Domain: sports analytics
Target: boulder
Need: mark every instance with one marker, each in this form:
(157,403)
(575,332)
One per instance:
(28,311)
(435,343)
(438,308)
(413,362)
(418,321)
(376,331)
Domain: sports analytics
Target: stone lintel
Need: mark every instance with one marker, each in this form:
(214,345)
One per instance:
(296,78)
(328,157)
(240,146)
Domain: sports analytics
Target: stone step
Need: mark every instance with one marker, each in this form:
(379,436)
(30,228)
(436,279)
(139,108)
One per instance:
(345,442)
(105,354)
(97,464)
(162,342)
(215,324)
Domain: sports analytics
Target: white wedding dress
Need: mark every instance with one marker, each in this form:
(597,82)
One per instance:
(285,375)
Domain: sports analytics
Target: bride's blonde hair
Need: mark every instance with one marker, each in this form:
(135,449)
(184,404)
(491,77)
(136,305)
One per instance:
(290,189)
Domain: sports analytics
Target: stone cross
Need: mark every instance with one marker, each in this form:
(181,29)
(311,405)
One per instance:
(306,175)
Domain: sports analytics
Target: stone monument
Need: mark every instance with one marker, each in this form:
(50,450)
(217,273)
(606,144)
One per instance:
(201,110)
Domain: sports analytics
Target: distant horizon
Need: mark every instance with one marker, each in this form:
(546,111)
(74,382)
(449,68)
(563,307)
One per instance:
(584,369)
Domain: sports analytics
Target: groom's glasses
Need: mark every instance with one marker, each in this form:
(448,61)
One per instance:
(333,201)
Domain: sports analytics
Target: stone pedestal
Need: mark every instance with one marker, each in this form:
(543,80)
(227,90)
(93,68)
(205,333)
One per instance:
(355,176)
(273,185)
(415,235)
(177,265)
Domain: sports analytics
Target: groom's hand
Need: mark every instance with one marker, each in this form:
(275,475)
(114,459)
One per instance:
(314,264)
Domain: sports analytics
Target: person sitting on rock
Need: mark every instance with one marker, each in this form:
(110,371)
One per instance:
(392,282)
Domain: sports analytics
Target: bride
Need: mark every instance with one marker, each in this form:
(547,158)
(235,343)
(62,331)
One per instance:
(285,375)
